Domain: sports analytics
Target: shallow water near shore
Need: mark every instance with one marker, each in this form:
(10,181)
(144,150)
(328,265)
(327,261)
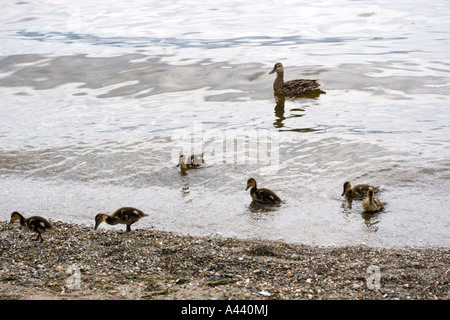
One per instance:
(98,103)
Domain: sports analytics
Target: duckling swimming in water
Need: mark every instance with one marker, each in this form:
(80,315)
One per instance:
(34,224)
(193,161)
(262,195)
(372,204)
(292,87)
(358,191)
(125,215)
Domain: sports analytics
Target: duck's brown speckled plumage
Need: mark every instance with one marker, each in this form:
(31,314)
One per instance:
(193,161)
(125,215)
(292,87)
(34,224)
(358,191)
(262,195)
(370,203)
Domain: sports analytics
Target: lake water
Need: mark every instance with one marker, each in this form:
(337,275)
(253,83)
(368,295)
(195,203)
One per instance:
(98,101)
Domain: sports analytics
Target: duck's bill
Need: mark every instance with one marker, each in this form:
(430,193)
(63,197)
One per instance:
(273,70)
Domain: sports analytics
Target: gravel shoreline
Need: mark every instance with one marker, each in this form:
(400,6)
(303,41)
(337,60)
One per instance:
(77,263)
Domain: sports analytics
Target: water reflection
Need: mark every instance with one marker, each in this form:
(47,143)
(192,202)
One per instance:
(371,220)
(349,203)
(346,208)
(280,110)
(260,208)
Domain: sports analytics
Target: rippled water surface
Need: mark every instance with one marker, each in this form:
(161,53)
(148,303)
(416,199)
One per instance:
(98,101)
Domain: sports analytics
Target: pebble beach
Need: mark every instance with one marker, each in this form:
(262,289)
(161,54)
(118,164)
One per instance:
(76,262)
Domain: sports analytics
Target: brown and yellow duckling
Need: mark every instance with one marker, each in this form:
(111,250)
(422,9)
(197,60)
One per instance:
(358,191)
(262,195)
(125,215)
(370,203)
(193,161)
(292,87)
(34,224)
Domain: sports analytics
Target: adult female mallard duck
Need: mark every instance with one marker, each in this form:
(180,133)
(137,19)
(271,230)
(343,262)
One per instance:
(262,195)
(292,87)
(34,224)
(358,191)
(125,215)
(372,204)
(193,161)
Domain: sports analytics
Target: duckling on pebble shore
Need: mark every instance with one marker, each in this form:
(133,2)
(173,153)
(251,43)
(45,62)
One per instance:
(125,215)
(33,224)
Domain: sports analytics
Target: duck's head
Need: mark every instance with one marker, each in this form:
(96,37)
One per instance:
(250,183)
(15,216)
(370,195)
(181,160)
(99,219)
(347,186)
(278,67)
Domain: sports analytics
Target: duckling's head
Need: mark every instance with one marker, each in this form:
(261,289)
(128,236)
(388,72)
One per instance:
(99,219)
(15,216)
(347,187)
(250,183)
(370,195)
(278,67)
(182,160)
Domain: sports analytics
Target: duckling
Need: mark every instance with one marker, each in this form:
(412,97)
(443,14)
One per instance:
(125,215)
(193,161)
(262,195)
(358,191)
(372,204)
(292,87)
(34,224)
